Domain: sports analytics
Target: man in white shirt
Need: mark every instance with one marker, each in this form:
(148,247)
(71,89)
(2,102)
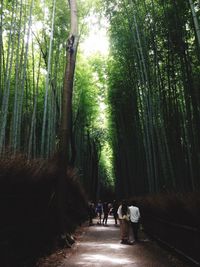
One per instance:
(134,218)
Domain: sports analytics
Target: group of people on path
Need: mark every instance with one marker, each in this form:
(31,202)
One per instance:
(126,214)
(101,209)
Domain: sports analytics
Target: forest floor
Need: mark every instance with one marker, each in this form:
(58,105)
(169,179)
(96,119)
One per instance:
(99,246)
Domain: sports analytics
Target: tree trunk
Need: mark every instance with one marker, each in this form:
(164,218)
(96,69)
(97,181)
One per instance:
(6,94)
(65,128)
(23,81)
(196,23)
(1,51)
(44,134)
(66,123)
(33,120)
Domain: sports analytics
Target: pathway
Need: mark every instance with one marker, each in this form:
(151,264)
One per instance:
(100,247)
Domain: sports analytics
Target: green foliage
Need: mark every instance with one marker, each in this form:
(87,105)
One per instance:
(25,61)
(90,124)
(154,112)
(135,115)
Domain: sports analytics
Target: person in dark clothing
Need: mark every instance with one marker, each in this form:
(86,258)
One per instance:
(99,211)
(91,212)
(105,213)
(114,209)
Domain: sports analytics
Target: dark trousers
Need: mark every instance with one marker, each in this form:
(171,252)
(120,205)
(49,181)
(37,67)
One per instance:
(105,218)
(135,227)
(115,217)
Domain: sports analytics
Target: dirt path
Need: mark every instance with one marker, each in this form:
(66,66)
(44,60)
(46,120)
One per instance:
(100,247)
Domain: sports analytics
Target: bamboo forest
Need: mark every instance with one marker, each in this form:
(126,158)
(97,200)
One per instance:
(98,100)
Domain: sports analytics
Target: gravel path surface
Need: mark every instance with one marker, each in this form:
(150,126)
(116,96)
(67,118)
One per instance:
(100,247)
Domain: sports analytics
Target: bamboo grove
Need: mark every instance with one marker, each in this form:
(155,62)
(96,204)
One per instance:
(31,75)
(146,138)
(154,95)
(33,47)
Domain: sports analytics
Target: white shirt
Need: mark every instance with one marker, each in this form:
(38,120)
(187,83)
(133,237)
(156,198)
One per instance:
(134,214)
(119,212)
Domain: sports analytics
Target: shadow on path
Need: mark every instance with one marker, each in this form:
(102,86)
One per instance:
(100,247)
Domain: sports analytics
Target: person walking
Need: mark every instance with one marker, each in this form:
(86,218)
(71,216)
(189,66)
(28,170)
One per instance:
(91,212)
(105,213)
(114,210)
(99,211)
(123,215)
(134,219)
